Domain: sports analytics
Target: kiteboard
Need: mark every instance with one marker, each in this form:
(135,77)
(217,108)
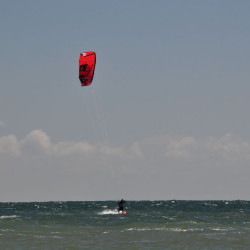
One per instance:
(122,212)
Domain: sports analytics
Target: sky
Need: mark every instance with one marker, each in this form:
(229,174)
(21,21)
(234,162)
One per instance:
(167,114)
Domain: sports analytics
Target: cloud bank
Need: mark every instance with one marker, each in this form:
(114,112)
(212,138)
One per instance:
(163,167)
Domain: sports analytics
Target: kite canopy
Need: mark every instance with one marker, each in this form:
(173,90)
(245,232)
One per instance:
(87,67)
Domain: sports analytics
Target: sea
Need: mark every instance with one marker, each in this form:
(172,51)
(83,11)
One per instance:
(171,224)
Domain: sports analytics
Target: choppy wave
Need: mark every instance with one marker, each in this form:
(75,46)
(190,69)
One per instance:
(148,224)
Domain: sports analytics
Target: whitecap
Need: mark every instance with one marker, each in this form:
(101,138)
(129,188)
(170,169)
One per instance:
(7,230)
(108,211)
(139,229)
(178,230)
(8,216)
(40,236)
(221,229)
(20,234)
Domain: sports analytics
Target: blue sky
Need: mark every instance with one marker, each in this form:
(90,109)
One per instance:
(167,113)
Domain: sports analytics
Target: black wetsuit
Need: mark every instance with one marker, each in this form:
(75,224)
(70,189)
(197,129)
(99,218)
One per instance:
(120,204)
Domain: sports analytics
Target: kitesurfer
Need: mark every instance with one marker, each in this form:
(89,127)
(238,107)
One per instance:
(120,204)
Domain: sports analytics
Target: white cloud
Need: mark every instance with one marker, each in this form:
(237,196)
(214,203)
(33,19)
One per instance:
(2,123)
(136,151)
(37,141)
(216,167)
(227,148)
(166,147)
(69,148)
(9,145)
(179,148)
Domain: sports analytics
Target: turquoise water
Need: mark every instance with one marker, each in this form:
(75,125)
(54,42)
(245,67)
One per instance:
(147,225)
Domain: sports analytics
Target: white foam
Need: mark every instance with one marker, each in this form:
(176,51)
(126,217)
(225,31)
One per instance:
(108,211)
(165,229)
(7,230)
(40,236)
(8,216)
(221,229)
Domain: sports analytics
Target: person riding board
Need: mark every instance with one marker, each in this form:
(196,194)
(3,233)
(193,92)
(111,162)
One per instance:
(120,204)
